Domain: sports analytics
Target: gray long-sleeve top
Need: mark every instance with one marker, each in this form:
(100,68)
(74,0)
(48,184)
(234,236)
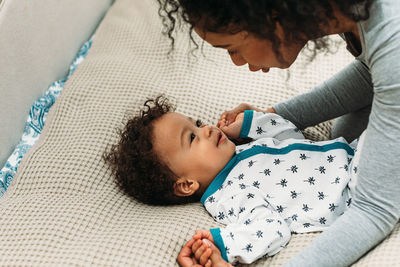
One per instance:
(372,79)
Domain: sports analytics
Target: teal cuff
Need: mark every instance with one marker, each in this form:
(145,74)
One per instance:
(248,118)
(219,242)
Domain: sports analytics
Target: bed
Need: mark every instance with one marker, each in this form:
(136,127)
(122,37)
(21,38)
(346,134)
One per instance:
(63,207)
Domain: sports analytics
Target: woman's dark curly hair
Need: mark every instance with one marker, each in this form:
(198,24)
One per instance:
(138,170)
(301,20)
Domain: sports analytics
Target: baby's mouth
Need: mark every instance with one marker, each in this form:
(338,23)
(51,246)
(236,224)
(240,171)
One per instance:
(220,138)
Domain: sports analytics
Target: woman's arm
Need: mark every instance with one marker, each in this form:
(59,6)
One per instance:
(375,208)
(347,91)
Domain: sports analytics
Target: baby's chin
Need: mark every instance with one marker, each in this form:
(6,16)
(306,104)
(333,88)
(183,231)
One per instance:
(241,141)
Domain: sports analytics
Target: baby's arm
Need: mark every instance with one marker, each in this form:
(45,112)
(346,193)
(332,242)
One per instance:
(253,228)
(259,125)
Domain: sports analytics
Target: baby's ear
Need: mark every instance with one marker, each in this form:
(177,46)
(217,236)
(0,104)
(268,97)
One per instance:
(184,187)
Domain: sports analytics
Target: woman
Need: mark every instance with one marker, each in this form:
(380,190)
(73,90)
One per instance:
(364,96)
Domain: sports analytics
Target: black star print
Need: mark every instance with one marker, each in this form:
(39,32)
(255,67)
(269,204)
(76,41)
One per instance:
(294,217)
(321,169)
(232,235)
(241,209)
(229,182)
(321,195)
(221,215)
(242,186)
(346,167)
(259,234)
(280,209)
(240,177)
(231,212)
(251,163)
(227,250)
(355,169)
(293,169)
(247,222)
(277,161)
(310,180)
(307,225)
(322,220)
(337,180)
(303,156)
(273,122)
(348,202)
(330,158)
(266,172)
(256,184)
(259,130)
(249,247)
(306,208)
(332,207)
(293,194)
(211,199)
(280,234)
(250,195)
(283,183)
(269,220)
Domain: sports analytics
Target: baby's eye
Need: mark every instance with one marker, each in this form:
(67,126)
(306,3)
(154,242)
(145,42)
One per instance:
(199,123)
(192,137)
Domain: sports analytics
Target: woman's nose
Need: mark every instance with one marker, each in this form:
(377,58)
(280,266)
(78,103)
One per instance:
(254,68)
(238,60)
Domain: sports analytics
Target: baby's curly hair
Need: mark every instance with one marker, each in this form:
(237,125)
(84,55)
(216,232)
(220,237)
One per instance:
(138,170)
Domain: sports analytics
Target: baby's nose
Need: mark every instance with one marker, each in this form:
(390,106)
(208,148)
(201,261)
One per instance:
(208,130)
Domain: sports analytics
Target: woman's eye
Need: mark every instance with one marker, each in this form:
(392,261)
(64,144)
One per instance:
(231,53)
(192,137)
(199,123)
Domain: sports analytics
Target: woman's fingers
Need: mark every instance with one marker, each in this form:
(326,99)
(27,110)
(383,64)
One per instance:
(205,257)
(185,256)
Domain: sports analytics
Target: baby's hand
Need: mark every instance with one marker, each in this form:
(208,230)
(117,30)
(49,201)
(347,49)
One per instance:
(208,254)
(231,129)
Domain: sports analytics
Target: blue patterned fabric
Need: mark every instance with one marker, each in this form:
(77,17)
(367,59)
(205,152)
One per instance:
(35,122)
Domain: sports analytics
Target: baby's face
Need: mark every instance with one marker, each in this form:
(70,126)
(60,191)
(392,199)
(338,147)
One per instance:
(190,149)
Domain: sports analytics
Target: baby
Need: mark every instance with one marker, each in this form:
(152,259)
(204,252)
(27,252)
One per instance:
(261,191)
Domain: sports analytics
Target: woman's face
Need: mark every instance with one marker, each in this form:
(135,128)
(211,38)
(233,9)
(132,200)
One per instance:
(244,47)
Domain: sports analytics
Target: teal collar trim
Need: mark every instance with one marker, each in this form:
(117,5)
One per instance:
(220,178)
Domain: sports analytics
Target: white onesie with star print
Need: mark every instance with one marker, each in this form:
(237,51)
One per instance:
(277,184)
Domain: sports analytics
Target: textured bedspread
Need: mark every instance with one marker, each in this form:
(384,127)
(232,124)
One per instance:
(63,206)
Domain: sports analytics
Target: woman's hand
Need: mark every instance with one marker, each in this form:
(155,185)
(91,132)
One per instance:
(186,257)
